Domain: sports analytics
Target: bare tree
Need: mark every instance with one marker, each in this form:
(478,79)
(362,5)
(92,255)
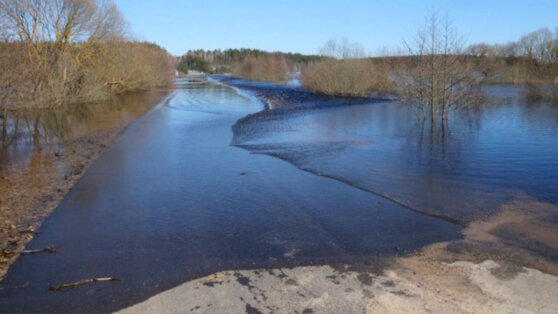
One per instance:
(438,78)
(342,49)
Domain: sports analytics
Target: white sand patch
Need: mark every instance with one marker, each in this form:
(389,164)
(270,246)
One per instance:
(412,286)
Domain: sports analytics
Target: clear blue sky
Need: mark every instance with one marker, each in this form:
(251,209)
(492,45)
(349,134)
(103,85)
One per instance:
(304,26)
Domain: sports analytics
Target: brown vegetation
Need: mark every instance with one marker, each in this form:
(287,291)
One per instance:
(60,51)
(533,59)
(437,79)
(346,71)
(268,68)
(436,72)
(351,77)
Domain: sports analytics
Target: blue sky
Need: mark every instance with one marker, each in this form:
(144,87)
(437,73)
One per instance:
(304,26)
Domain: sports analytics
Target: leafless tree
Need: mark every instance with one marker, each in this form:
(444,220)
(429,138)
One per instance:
(438,78)
(343,49)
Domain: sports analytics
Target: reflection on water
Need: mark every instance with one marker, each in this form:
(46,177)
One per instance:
(460,170)
(35,137)
(204,97)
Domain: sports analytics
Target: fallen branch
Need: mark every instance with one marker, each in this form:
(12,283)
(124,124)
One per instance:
(81,282)
(49,250)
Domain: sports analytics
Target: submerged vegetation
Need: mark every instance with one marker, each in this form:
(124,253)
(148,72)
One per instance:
(437,78)
(72,51)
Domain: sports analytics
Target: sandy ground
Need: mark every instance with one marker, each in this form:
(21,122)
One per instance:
(482,273)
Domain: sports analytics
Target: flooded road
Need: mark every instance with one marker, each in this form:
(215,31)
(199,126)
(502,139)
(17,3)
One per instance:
(171,200)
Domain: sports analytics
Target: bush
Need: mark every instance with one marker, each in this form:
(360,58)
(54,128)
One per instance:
(80,54)
(268,68)
(351,77)
(344,70)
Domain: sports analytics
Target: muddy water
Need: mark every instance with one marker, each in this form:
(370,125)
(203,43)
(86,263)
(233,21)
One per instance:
(172,200)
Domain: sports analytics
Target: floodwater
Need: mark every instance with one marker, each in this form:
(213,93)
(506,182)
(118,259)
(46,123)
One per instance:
(196,187)
(460,170)
(29,137)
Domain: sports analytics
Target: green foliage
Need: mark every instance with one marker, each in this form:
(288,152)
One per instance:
(183,67)
(192,62)
(227,57)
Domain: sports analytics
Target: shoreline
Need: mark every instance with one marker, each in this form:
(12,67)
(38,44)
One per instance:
(410,285)
(484,277)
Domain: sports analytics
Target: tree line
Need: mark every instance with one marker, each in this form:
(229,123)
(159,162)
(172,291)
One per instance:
(435,71)
(221,61)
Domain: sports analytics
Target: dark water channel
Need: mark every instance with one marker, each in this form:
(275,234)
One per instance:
(180,193)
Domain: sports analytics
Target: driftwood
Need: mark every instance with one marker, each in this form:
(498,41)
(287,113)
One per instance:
(71,285)
(50,249)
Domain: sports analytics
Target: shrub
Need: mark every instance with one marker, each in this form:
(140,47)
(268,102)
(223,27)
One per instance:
(268,68)
(80,54)
(351,77)
(345,70)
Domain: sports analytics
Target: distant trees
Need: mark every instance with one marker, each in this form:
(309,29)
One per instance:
(437,79)
(182,66)
(57,51)
(221,61)
(229,56)
(530,60)
(194,62)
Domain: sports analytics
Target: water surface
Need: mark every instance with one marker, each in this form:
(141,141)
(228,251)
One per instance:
(171,200)
(461,170)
